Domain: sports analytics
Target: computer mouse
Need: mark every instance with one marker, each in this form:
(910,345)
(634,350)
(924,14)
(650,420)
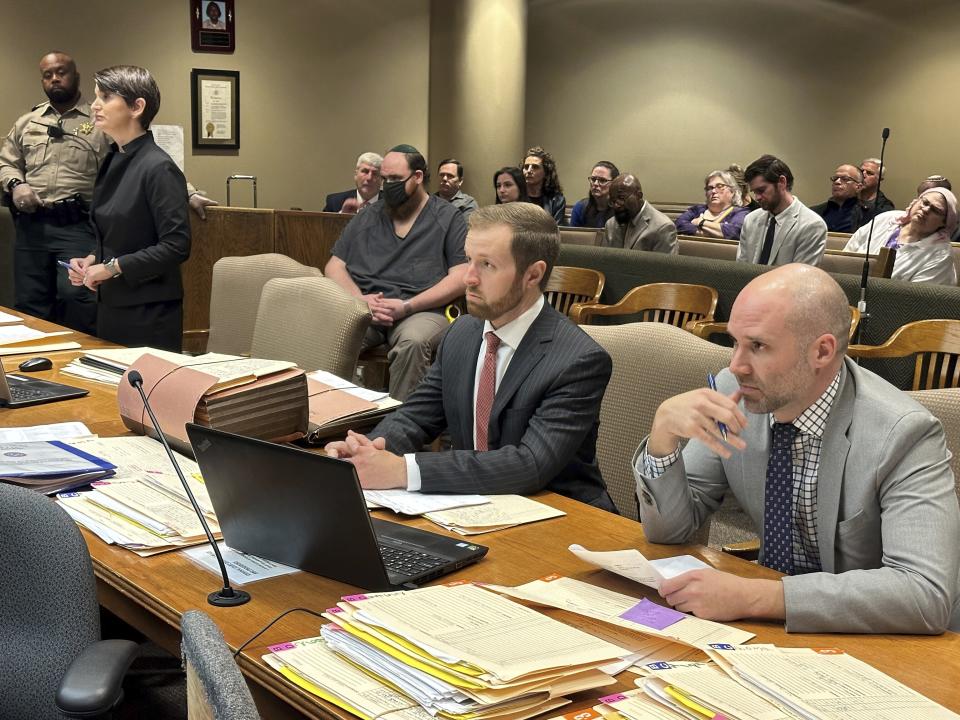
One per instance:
(35,364)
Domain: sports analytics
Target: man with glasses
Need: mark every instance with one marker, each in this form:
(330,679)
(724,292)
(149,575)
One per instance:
(782,230)
(636,224)
(843,212)
(594,210)
(403,256)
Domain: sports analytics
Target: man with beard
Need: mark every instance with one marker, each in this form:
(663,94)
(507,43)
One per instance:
(782,230)
(403,256)
(516,384)
(48,165)
(848,477)
(636,224)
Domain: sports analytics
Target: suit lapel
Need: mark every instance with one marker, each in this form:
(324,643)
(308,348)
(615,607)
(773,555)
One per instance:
(778,237)
(833,461)
(464,361)
(532,350)
(643,222)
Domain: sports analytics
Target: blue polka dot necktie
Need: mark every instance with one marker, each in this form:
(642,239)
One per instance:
(778,501)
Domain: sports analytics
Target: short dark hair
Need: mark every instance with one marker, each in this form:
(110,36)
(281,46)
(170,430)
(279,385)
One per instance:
(534,233)
(551,180)
(770,168)
(415,160)
(614,171)
(131,82)
(452,161)
(518,178)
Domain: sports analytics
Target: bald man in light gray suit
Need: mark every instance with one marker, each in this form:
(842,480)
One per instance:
(636,224)
(869,526)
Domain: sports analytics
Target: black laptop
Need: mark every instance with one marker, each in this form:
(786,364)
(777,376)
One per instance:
(19,391)
(307,510)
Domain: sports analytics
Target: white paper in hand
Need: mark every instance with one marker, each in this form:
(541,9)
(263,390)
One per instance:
(633,565)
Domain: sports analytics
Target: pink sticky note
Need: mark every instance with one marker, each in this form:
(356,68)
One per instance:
(280,647)
(651,615)
(98,483)
(334,610)
(616,697)
(353,598)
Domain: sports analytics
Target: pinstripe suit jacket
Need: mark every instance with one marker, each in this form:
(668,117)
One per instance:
(543,425)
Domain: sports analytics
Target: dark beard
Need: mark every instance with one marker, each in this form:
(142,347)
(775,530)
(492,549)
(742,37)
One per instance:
(61,95)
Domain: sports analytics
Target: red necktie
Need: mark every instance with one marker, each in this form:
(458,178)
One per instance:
(486,390)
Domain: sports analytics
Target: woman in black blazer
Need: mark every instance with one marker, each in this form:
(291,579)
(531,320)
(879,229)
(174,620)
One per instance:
(139,216)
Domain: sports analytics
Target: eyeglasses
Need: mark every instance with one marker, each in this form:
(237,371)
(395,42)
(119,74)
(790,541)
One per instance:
(593,180)
(843,178)
(718,187)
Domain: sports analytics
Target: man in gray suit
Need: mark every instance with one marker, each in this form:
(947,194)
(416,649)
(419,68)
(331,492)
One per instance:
(847,476)
(782,230)
(516,384)
(636,224)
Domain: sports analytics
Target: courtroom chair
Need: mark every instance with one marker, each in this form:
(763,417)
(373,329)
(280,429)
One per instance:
(580,235)
(216,689)
(837,240)
(52,661)
(569,286)
(944,404)
(936,343)
(707,328)
(311,321)
(672,303)
(235,297)
(714,248)
(651,363)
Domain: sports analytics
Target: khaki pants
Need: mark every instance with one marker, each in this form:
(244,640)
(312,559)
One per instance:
(410,347)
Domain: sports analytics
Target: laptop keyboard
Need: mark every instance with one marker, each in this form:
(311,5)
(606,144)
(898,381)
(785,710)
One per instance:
(19,393)
(408,562)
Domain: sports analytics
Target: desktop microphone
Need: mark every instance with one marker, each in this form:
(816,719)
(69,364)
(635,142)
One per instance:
(225,596)
(862,305)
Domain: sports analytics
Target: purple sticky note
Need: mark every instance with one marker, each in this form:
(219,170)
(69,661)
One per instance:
(608,699)
(652,615)
(280,647)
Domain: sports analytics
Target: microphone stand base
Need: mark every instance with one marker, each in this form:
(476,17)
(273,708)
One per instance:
(239,597)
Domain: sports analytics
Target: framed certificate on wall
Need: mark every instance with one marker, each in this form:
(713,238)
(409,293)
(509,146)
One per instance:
(212,26)
(215,108)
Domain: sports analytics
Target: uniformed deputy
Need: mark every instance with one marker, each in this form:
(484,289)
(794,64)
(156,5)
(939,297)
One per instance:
(48,165)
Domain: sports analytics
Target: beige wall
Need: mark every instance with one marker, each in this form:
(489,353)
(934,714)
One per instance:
(320,81)
(477,77)
(671,90)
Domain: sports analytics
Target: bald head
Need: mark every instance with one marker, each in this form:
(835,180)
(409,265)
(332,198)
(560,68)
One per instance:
(812,302)
(626,197)
(846,182)
(60,79)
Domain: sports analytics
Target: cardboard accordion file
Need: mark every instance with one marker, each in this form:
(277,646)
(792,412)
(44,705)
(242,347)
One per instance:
(256,398)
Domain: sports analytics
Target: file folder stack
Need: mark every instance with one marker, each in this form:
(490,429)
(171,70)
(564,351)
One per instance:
(50,466)
(457,651)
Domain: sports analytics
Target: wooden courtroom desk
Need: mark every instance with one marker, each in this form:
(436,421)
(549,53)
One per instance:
(152,593)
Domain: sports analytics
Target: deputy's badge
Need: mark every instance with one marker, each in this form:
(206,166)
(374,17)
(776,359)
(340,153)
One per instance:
(85,128)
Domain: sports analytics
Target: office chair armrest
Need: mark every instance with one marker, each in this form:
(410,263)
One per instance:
(92,685)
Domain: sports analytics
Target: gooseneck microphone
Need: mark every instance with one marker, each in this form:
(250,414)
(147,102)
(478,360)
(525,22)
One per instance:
(225,596)
(862,305)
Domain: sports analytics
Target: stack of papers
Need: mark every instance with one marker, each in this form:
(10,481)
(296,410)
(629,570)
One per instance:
(501,511)
(643,616)
(8,319)
(823,684)
(54,431)
(404,502)
(50,466)
(337,405)
(17,339)
(458,651)
(144,508)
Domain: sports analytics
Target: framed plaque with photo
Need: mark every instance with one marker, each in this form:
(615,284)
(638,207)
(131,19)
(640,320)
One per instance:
(215,108)
(212,26)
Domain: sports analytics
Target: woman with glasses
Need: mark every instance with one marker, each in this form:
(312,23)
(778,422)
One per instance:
(921,236)
(594,210)
(721,216)
(509,185)
(543,183)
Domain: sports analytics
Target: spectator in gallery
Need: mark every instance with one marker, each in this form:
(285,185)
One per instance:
(721,216)
(594,210)
(543,183)
(509,185)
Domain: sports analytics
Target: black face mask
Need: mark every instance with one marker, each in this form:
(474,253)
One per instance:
(395,192)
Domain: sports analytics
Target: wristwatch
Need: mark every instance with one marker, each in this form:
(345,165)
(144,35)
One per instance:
(112,267)
(12,183)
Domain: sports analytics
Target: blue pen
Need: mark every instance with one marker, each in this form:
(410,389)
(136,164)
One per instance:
(712,384)
(63,264)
